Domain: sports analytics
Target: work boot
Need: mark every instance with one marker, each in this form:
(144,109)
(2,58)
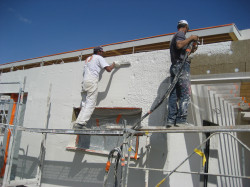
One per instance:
(78,126)
(169,124)
(184,124)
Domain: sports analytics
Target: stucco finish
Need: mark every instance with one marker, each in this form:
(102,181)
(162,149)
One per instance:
(139,85)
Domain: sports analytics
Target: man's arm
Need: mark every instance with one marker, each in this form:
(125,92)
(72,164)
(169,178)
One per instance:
(109,68)
(182,43)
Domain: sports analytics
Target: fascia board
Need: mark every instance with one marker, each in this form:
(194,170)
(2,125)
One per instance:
(215,31)
(138,43)
(151,40)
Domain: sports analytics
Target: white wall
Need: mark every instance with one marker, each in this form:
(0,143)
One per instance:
(139,85)
(245,34)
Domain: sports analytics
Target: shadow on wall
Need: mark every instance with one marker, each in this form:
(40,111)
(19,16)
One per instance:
(101,95)
(191,141)
(76,173)
(158,141)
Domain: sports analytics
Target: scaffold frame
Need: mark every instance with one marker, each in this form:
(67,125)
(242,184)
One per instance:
(144,131)
(127,133)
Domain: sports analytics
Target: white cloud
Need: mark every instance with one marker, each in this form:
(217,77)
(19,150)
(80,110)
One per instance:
(19,16)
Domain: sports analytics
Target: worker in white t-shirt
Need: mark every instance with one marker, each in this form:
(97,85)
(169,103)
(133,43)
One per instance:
(93,65)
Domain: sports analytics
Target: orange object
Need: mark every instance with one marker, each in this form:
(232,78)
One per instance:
(236,87)
(118,118)
(77,139)
(107,166)
(136,147)
(97,122)
(136,155)
(89,59)
(122,161)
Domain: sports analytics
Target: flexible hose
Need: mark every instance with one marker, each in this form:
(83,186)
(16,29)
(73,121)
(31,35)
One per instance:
(170,88)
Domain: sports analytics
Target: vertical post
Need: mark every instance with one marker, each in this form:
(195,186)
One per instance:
(207,149)
(128,160)
(146,160)
(6,171)
(9,141)
(80,57)
(123,151)
(207,152)
(243,161)
(44,138)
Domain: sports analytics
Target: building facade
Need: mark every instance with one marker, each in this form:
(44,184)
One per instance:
(51,96)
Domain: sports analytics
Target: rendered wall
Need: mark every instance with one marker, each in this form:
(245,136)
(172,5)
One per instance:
(139,85)
(224,58)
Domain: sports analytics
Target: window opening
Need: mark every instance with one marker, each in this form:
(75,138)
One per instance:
(106,117)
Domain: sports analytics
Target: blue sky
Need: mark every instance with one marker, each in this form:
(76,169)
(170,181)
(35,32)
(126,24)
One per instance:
(34,28)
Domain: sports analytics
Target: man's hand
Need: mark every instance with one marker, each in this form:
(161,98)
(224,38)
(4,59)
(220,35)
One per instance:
(109,68)
(194,37)
(195,46)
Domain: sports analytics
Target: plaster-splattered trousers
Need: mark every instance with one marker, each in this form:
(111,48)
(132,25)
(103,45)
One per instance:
(90,86)
(179,98)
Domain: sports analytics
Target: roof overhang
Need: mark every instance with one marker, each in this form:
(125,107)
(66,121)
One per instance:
(207,35)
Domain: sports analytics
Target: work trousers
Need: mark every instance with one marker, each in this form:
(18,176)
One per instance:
(179,98)
(90,87)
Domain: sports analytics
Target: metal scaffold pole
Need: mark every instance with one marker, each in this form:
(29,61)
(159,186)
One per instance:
(13,130)
(199,146)
(109,131)
(128,134)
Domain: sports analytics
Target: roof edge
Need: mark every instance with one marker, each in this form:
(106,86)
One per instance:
(206,28)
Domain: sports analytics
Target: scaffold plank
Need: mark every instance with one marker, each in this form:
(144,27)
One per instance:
(107,132)
(118,130)
(75,132)
(197,129)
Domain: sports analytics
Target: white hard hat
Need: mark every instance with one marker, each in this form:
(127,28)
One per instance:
(182,22)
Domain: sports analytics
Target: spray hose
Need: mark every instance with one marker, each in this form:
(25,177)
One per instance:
(119,156)
(193,44)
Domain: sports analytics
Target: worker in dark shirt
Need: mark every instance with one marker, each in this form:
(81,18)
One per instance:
(179,98)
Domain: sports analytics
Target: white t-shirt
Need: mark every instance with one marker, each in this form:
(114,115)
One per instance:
(95,64)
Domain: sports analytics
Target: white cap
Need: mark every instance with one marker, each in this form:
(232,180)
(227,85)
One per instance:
(182,22)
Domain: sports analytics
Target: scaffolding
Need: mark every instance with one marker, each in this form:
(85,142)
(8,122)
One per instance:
(127,132)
